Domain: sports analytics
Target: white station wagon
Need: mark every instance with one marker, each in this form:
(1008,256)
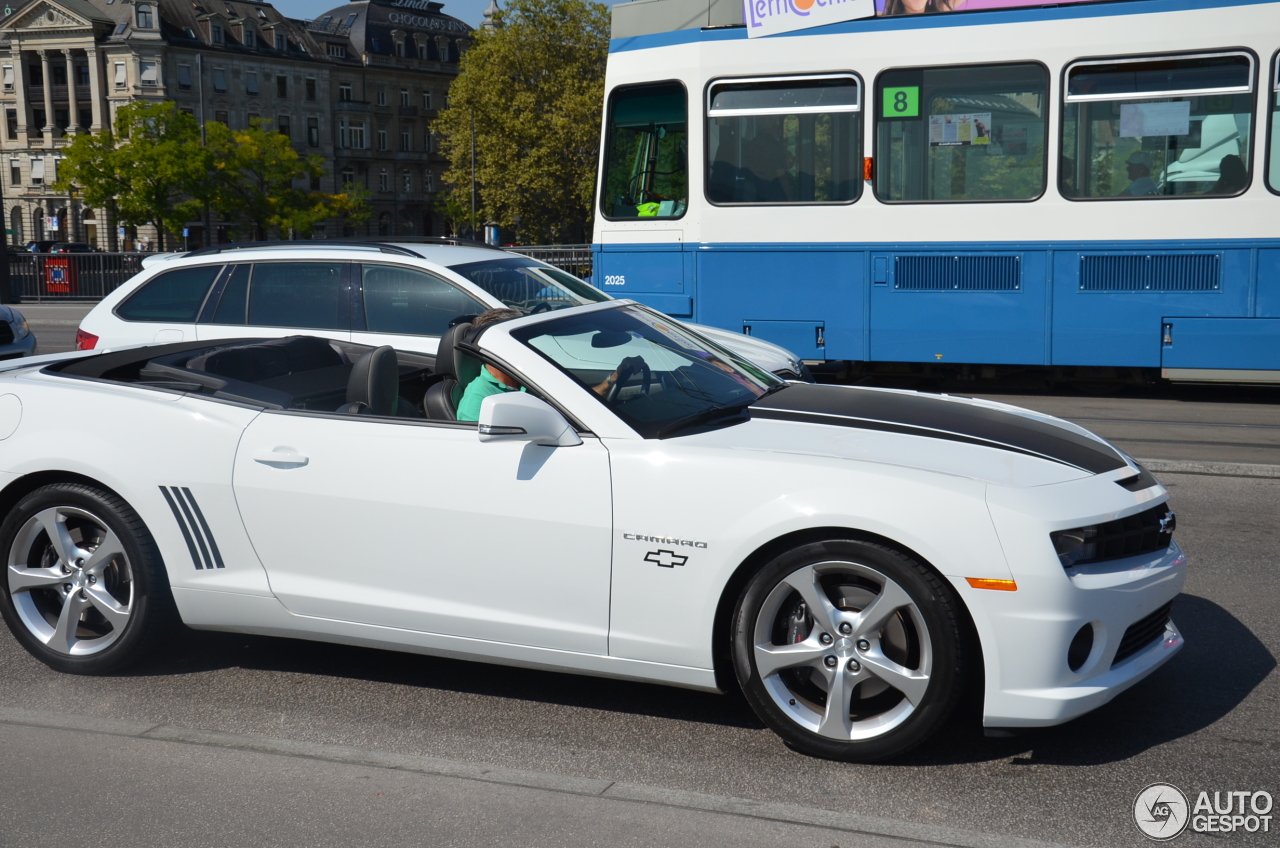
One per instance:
(851,558)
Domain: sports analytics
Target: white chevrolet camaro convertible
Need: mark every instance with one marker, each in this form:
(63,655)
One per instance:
(650,507)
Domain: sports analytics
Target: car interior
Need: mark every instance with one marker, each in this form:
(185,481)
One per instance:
(296,372)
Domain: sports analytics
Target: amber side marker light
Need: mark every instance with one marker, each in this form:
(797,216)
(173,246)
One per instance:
(998,585)
(867,168)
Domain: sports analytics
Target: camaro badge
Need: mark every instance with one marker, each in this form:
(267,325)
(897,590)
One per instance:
(665,559)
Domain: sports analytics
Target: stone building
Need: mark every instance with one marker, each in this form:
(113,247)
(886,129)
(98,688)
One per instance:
(358,86)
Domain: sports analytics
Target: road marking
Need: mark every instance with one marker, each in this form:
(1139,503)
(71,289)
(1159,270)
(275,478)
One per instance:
(1215,469)
(605,789)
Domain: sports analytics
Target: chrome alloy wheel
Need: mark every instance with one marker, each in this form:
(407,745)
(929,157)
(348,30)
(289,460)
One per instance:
(842,650)
(70,581)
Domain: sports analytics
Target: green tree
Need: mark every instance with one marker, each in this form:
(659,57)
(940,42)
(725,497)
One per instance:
(151,170)
(254,172)
(534,88)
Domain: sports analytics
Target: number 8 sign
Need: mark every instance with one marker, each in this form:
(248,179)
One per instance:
(901,103)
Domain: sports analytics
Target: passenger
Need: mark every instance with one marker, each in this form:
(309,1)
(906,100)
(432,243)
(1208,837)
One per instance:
(1233,176)
(1140,182)
(491,381)
(920,7)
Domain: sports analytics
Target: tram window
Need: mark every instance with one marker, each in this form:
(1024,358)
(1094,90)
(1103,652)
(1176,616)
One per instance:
(1158,128)
(646,166)
(961,134)
(1273,173)
(784,140)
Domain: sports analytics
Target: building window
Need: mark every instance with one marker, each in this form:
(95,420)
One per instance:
(15,172)
(8,77)
(384,180)
(11,122)
(408,182)
(357,135)
(426,100)
(313,132)
(337,51)
(282,124)
(348,177)
(82,74)
(86,117)
(35,74)
(400,49)
(148,73)
(382,139)
(404,97)
(120,78)
(184,77)
(37,172)
(281,42)
(406,141)
(250,38)
(382,97)
(282,85)
(428,181)
(215,33)
(344,92)
(351,19)
(251,82)
(219,80)
(59,74)
(253,119)
(145,16)
(315,183)
(221,117)
(422,51)
(311,88)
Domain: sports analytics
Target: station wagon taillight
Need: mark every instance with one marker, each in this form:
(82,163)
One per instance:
(85,341)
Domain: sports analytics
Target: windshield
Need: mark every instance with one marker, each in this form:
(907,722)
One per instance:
(528,285)
(652,372)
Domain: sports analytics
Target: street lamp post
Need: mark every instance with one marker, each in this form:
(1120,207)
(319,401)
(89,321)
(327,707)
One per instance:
(473,171)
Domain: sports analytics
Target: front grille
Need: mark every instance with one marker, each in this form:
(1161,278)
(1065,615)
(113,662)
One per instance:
(1142,633)
(1144,532)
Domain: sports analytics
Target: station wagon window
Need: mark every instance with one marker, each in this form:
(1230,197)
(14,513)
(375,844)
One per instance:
(973,133)
(232,305)
(784,140)
(646,171)
(298,294)
(1273,172)
(1157,128)
(402,300)
(175,296)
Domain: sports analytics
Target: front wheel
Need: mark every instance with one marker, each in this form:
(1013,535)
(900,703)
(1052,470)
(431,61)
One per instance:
(849,650)
(84,590)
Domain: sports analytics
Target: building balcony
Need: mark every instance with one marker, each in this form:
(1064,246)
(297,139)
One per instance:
(352,106)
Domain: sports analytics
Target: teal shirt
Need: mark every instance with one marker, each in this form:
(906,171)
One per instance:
(477,390)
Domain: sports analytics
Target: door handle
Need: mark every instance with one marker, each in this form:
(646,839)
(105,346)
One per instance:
(281,458)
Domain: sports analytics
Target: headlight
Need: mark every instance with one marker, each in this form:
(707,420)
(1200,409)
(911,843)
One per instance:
(1076,545)
(20,328)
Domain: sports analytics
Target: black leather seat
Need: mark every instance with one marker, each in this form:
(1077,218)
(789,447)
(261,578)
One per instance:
(457,368)
(374,386)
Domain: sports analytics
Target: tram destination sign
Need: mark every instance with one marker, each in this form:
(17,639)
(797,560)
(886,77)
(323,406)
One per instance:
(770,17)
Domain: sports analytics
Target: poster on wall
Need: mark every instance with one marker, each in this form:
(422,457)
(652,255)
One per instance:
(925,7)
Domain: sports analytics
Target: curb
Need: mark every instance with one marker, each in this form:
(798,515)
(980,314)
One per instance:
(603,789)
(1214,469)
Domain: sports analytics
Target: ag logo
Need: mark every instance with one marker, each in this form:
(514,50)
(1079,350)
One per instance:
(1160,811)
(665,559)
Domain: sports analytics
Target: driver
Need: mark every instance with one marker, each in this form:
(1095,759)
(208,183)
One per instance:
(626,369)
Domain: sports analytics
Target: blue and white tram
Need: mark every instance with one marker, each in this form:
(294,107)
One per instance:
(1083,185)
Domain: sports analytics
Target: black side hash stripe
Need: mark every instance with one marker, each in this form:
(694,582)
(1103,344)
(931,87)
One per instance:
(186,532)
(886,427)
(204,525)
(941,418)
(195,529)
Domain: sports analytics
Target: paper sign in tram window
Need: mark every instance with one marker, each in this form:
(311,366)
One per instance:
(1141,119)
(951,130)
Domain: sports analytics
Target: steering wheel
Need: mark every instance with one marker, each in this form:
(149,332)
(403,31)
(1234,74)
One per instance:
(616,388)
(540,306)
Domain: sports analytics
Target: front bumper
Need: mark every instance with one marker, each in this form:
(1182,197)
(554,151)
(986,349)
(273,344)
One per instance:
(25,346)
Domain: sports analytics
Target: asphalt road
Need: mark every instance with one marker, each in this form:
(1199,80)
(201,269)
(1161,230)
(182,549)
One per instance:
(1206,721)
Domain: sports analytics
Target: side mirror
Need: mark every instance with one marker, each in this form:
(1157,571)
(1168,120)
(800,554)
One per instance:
(520,417)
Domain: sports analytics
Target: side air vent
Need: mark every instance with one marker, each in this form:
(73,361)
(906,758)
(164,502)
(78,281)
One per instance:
(1156,273)
(1142,633)
(958,273)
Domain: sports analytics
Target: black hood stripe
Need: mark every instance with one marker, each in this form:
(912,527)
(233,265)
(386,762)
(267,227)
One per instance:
(933,417)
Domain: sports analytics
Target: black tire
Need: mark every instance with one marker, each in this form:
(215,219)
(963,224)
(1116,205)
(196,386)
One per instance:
(119,606)
(920,647)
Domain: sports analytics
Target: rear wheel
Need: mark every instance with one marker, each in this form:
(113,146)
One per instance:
(84,590)
(849,650)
